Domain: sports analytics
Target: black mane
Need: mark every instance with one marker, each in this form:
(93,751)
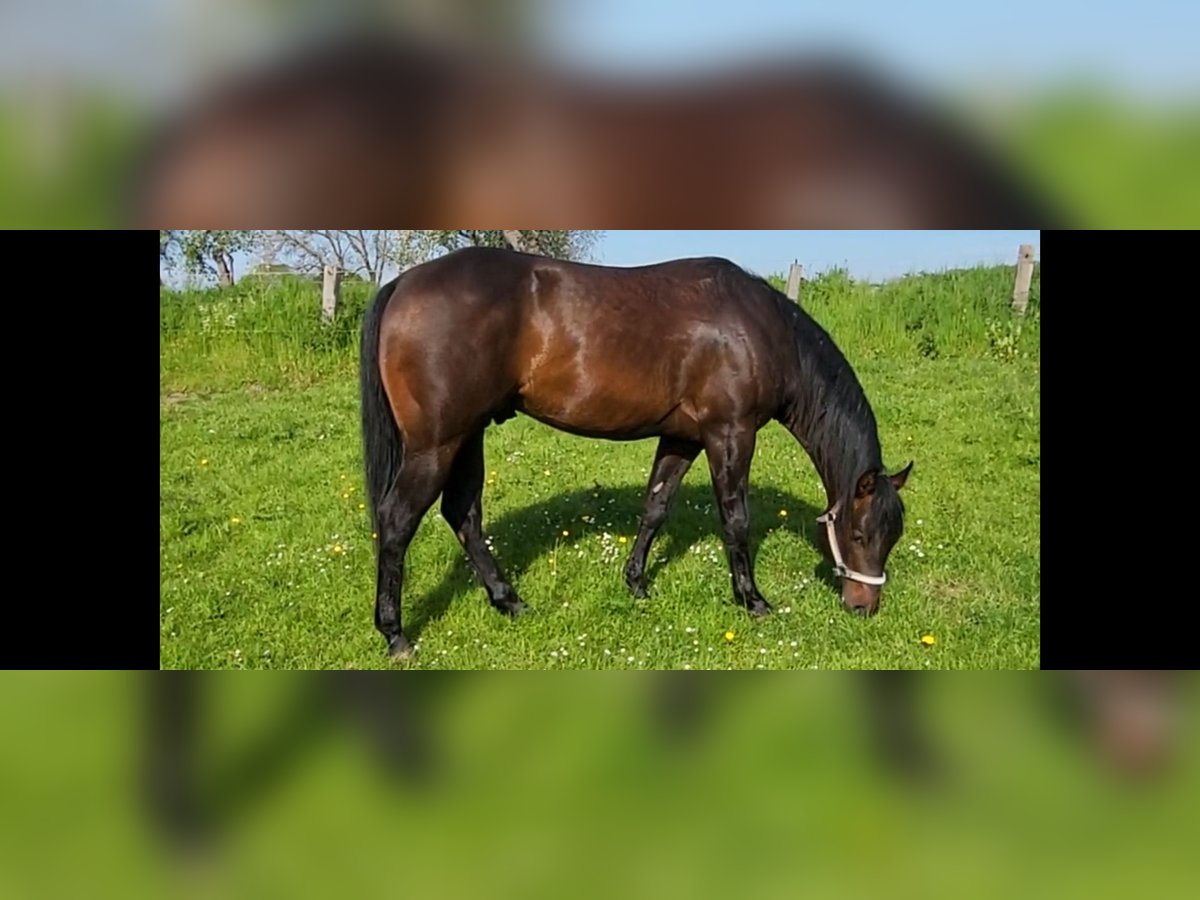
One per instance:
(827,409)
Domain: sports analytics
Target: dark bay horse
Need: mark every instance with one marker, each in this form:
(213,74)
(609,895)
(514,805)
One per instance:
(379,131)
(695,352)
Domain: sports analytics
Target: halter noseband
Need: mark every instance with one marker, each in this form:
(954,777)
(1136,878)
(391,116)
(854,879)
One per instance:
(839,567)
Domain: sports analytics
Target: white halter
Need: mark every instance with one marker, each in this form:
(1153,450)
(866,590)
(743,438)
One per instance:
(839,567)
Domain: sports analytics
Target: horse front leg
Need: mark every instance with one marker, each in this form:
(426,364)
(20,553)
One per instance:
(729,450)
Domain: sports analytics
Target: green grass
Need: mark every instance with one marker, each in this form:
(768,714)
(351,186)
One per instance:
(264,332)
(267,557)
(570,786)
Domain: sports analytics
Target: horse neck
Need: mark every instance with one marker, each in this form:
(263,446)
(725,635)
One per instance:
(836,428)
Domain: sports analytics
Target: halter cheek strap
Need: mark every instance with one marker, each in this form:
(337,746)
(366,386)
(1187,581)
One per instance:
(839,567)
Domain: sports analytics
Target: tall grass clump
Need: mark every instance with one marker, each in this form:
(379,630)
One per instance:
(959,313)
(262,331)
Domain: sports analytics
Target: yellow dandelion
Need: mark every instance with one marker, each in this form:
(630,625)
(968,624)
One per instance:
(729,635)
(362,506)
(622,539)
(345,496)
(783,514)
(236,520)
(928,640)
(547,472)
(374,536)
(343,478)
(337,548)
(204,462)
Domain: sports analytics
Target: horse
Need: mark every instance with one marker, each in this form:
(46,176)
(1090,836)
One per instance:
(697,352)
(368,132)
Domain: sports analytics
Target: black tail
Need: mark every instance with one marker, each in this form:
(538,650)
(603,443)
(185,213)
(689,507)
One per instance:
(382,449)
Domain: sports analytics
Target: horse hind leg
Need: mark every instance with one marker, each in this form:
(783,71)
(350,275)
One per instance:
(462,507)
(417,485)
(671,462)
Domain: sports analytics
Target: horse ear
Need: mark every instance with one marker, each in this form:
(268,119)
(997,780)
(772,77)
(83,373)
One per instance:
(866,484)
(900,477)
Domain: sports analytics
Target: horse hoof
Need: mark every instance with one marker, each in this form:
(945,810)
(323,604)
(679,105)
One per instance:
(635,580)
(399,649)
(760,608)
(511,608)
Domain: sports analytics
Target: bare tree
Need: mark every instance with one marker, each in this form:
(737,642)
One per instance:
(205,252)
(413,247)
(561,244)
(168,251)
(367,253)
(371,254)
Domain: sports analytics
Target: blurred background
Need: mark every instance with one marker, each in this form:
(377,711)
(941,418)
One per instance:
(660,785)
(584,114)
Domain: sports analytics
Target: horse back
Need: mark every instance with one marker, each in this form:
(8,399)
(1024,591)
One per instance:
(622,353)
(632,352)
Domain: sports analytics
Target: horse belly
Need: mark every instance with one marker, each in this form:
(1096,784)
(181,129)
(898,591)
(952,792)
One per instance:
(618,410)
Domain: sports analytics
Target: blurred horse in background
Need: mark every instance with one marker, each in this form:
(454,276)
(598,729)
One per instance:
(380,133)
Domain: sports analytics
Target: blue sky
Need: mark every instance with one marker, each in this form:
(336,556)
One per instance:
(1147,45)
(871,255)
(1144,44)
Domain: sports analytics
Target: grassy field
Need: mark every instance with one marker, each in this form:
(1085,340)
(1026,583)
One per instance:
(267,558)
(570,786)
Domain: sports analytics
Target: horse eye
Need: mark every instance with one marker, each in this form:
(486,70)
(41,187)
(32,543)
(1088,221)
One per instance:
(857,535)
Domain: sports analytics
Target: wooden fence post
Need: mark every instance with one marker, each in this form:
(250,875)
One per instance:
(795,274)
(1024,278)
(330,290)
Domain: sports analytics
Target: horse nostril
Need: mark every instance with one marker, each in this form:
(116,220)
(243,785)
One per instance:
(863,611)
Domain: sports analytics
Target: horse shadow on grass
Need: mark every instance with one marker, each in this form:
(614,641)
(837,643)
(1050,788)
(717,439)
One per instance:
(193,788)
(526,535)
